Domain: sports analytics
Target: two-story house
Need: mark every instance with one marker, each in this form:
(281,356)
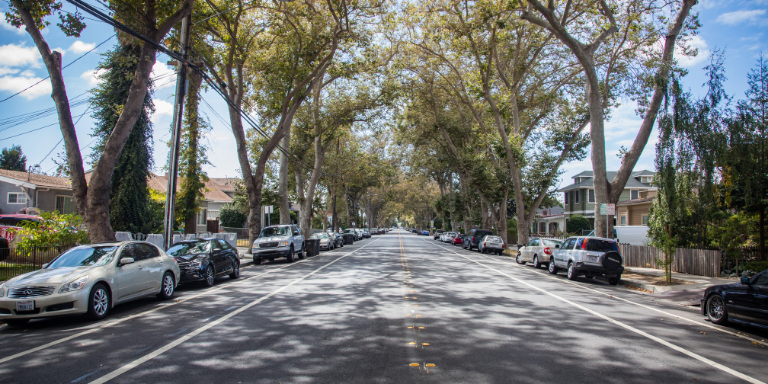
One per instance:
(579,197)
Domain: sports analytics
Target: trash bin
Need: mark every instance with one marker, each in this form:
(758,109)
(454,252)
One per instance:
(348,238)
(312,246)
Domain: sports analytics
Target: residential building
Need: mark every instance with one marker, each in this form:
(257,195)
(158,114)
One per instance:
(548,221)
(214,197)
(579,197)
(20,192)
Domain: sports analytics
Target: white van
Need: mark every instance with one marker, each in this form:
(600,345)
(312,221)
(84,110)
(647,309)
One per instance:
(629,234)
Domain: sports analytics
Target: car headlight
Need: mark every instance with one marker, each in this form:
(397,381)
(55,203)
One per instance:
(74,285)
(284,243)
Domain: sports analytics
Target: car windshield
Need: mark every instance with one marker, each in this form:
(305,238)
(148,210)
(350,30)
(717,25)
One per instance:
(275,231)
(183,249)
(552,243)
(85,256)
(319,236)
(597,245)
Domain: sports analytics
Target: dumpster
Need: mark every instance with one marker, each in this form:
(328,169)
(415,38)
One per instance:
(312,246)
(348,238)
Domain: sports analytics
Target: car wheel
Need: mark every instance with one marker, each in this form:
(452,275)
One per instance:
(302,253)
(519,259)
(167,288)
(209,275)
(98,302)
(572,274)
(716,310)
(499,253)
(291,258)
(257,260)
(235,270)
(552,267)
(613,280)
(16,322)
(536,263)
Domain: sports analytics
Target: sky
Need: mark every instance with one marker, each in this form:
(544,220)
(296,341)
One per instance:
(736,26)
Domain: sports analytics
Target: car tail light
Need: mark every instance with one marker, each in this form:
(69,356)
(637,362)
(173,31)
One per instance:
(473,239)
(483,244)
(503,246)
(584,245)
(547,251)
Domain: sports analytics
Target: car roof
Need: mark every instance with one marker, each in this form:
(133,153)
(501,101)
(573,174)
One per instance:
(592,237)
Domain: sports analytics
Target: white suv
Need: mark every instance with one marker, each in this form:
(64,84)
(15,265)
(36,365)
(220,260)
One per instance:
(590,256)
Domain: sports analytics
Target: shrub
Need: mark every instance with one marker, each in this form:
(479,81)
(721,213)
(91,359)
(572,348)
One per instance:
(576,224)
(231,217)
(53,230)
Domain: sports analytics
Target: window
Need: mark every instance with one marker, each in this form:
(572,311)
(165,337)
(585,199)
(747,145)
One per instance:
(591,196)
(761,280)
(224,244)
(147,251)
(566,197)
(202,216)
(645,219)
(65,205)
(577,193)
(17,198)
(543,227)
(623,220)
(133,252)
(601,246)
(213,215)
(579,243)
(216,245)
(634,194)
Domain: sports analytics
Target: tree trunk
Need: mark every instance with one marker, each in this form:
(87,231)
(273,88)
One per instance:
(285,213)
(762,234)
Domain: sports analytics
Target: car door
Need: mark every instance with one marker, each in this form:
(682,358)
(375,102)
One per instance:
(229,255)
(130,277)
(755,304)
(533,249)
(298,240)
(561,256)
(151,266)
(217,256)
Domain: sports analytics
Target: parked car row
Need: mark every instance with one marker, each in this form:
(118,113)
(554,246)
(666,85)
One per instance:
(481,239)
(581,255)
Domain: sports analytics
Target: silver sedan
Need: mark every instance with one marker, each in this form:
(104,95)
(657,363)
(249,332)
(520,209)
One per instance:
(89,279)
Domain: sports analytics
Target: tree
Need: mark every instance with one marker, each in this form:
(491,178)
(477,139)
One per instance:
(629,28)
(129,193)
(576,224)
(13,159)
(157,18)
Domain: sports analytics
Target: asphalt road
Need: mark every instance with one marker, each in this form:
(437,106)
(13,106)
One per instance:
(394,308)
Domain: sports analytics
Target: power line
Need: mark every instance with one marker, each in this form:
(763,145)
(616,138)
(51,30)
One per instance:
(47,77)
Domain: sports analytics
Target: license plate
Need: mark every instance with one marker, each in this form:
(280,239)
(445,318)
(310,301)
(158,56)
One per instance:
(25,305)
(593,258)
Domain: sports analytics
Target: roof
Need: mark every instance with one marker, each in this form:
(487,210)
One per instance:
(37,180)
(226,184)
(212,191)
(632,182)
(636,201)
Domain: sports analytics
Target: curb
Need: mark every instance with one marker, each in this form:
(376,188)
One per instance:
(643,285)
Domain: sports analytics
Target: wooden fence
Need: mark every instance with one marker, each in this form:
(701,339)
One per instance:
(701,262)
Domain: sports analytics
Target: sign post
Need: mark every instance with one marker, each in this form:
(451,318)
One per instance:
(267,210)
(607,210)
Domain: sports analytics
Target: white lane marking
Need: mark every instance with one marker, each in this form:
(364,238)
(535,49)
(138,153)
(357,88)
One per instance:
(115,322)
(613,296)
(627,327)
(167,347)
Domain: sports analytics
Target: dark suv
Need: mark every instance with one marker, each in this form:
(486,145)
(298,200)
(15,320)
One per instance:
(474,237)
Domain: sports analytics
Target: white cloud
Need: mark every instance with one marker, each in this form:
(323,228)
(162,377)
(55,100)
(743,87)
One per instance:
(15,84)
(15,55)
(688,61)
(80,47)
(162,108)
(163,76)
(59,50)
(5,26)
(709,4)
(93,76)
(8,71)
(738,17)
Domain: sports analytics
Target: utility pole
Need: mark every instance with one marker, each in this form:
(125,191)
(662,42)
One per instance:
(178,118)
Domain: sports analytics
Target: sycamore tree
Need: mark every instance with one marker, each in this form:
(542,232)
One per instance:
(158,18)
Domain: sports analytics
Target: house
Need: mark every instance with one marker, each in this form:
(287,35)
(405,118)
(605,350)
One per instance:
(579,197)
(22,191)
(548,221)
(215,195)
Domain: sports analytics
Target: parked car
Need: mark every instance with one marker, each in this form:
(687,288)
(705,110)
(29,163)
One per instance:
(538,251)
(475,235)
(425,232)
(366,233)
(492,244)
(590,256)
(416,231)
(437,234)
(458,239)
(354,233)
(338,241)
(448,237)
(205,259)
(278,241)
(742,303)
(14,221)
(326,243)
(89,279)
(360,233)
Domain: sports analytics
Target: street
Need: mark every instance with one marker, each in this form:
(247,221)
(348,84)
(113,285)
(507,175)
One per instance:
(395,308)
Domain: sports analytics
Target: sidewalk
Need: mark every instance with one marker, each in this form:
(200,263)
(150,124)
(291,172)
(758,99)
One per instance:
(687,294)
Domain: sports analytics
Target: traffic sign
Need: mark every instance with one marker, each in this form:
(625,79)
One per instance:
(607,209)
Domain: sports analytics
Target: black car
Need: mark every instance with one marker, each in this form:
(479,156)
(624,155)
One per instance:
(338,241)
(205,259)
(473,238)
(741,303)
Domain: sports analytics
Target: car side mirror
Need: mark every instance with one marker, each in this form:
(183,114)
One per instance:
(126,260)
(745,280)
(557,246)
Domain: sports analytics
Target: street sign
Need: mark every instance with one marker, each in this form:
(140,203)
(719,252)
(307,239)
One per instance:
(607,209)
(268,209)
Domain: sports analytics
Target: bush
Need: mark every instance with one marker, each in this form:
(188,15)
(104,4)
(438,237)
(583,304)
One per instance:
(231,217)
(53,230)
(576,224)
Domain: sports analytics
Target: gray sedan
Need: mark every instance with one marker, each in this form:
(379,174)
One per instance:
(89,279)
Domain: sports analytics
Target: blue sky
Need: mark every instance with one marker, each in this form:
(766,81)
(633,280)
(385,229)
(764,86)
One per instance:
(737,26)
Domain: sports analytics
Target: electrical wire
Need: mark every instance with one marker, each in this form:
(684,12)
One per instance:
(62,138)
(47,77)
